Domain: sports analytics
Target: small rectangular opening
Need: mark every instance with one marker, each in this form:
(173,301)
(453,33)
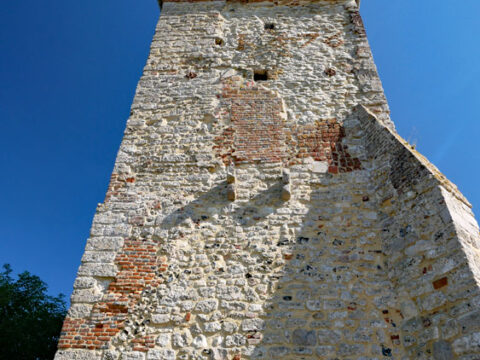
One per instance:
(269,26)
(260,75)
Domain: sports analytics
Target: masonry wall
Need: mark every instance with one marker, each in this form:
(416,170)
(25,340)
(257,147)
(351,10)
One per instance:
(431,245)
(274,218)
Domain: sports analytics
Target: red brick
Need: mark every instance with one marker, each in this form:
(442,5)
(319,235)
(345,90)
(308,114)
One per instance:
(440,283)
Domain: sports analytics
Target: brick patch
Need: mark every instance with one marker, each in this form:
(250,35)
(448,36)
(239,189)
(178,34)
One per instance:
(322,141)
(137,262)
(258,133)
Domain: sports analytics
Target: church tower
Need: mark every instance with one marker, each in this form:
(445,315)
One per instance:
(262,205)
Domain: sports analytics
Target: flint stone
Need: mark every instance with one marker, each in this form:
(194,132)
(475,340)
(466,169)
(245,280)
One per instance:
(77,355)
(442,350)
(304,337)
(162,354)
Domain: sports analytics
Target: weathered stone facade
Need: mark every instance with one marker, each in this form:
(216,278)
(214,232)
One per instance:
(262,205)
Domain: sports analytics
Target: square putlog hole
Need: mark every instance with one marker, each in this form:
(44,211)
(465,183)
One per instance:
(260,75)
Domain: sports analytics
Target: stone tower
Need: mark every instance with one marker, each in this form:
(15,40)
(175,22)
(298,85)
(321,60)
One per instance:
(262,205)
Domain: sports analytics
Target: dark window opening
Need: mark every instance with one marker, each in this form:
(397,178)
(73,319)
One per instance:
(269,26)
(260,75)
(219,42)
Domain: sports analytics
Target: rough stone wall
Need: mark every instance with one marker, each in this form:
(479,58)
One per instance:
(431,243)
(372,255)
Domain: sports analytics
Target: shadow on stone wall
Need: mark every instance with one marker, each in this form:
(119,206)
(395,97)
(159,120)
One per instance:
(318,292)
(245,215)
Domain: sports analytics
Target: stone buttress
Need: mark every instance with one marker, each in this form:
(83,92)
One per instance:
(262,205)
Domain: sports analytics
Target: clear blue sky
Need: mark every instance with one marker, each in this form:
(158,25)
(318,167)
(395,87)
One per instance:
(68,72)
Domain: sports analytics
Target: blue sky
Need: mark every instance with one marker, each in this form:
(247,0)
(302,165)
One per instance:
(68,73)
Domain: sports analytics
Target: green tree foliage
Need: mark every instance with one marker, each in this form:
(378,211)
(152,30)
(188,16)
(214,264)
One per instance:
(30,320)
